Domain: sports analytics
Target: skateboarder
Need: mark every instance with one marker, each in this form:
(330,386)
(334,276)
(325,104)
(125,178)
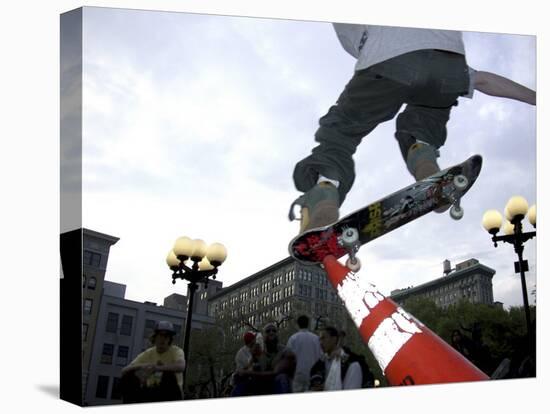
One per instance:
(424,69)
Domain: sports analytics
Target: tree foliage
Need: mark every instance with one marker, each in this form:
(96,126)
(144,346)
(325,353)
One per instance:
(496,333)
(211,361)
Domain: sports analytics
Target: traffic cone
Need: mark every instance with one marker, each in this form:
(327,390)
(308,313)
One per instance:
(407,351)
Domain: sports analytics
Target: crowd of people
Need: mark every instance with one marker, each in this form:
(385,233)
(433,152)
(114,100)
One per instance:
(308,362)
(263,365)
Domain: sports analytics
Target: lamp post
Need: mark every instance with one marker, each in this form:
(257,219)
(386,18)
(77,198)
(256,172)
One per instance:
(515,211)
(194,261)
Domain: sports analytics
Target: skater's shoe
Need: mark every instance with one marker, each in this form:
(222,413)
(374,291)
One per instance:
(319,207)
(422,163)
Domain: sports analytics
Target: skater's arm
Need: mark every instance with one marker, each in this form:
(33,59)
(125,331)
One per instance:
(496,85)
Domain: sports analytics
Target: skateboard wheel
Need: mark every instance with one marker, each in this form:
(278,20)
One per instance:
(350,237)
(456,212)
(353,264)
(460,182)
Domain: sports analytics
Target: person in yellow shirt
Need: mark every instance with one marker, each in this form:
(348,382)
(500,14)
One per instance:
(157,373)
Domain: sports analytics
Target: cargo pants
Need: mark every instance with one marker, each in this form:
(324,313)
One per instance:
(428,81)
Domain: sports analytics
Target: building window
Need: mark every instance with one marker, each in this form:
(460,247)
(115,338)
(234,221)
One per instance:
(304,290)
(91,258)
(122,356)
(107,354)
(126,326)
(85,331)
(88,306)
(149,327)
(102,386)
(92,283)
(115,391)
(112,322)
(83,281)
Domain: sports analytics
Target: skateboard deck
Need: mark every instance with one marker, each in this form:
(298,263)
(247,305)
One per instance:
(376,219)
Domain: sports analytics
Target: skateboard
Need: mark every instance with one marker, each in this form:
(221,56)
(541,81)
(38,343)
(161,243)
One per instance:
(348,234)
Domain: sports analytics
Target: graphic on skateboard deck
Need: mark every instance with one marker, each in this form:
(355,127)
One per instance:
(349,233)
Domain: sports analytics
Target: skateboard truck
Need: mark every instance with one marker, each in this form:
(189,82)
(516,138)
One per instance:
(456,211)
(461,183)
(349,240)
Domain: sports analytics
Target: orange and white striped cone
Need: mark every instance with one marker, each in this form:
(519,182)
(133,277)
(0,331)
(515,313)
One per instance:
(407,351)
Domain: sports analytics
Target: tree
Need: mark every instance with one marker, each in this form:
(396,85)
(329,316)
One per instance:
(211,361)
(426,311)
(492,332)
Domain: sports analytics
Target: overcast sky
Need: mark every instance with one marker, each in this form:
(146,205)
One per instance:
(193,124)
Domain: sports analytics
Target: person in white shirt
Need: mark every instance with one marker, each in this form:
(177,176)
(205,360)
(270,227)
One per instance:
(305,345)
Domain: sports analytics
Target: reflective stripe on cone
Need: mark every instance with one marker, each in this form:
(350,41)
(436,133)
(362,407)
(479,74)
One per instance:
(406,350)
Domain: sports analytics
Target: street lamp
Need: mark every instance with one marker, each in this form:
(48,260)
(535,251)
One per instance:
(515,211)
(194,261)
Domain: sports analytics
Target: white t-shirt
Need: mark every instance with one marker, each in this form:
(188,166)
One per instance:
(306,347)
(374,44)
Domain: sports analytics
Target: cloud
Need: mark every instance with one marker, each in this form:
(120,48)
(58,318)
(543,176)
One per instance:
(207,111)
